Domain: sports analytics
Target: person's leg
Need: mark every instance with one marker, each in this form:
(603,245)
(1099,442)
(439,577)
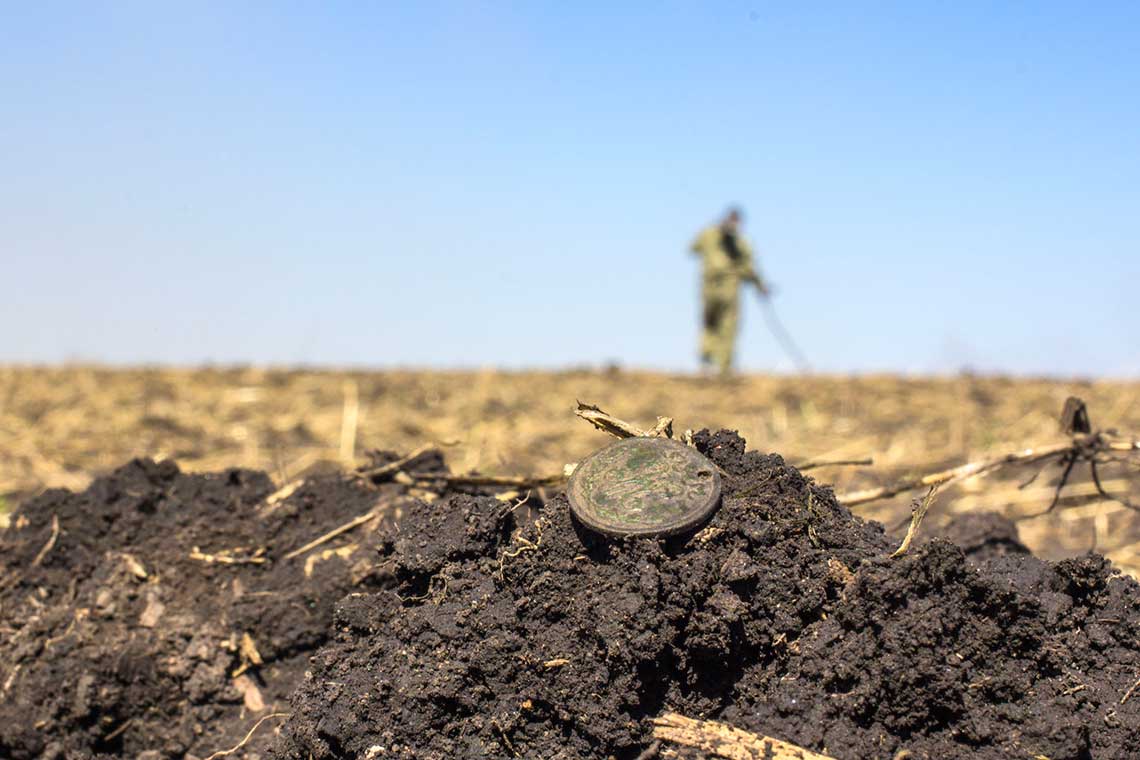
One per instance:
(725,339)
(710,323)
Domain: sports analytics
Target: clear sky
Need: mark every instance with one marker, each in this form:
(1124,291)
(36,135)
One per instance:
(930,185)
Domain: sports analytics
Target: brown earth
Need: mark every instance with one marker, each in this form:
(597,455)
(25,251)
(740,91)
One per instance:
(472,626)
(508,637)
(160,612)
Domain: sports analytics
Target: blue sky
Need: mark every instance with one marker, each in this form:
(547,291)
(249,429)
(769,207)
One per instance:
(930,186)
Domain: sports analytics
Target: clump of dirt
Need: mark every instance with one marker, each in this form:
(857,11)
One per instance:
(162,615)
(158,614)
(511,635)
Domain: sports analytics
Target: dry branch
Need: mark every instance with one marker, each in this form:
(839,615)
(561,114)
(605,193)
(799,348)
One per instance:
(353,523)
(509,481)
(864,462)
(1130,692)
(722,740)
(393,467)
(619,428)
(1085,446)
(960,472)
(284,492)
(598,418)
(50,542)
(917,513)
(229,557)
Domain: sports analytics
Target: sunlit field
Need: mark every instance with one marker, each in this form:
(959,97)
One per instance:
(59,427)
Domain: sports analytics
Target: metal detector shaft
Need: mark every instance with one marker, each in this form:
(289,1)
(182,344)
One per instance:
(782,336)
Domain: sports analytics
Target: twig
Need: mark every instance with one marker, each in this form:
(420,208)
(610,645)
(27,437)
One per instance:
(227,557)
(1105,494)
(1114,444)
(1130,692)
(118,731)
(50,542)
(242,743)
(865,462)
(954,473)
(391,467)
(722,740)
(274,500)
(600,419)
(1069,459)
(512,481)
(353,523)
(1084,445)
(619,428)
(917,513)
(10,679)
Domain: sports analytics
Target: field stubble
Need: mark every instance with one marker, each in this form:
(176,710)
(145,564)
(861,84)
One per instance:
(59,426)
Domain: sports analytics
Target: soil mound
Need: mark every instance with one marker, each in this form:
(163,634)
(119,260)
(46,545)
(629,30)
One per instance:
(162,615)
(514,635)
(156,614)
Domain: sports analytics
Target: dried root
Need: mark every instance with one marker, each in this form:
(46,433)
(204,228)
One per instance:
(524,545)
(243,742)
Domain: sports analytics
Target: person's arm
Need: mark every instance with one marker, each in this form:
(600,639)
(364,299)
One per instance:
(698,245)
(748,268)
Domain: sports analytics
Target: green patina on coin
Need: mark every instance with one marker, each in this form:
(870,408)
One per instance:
(644,487)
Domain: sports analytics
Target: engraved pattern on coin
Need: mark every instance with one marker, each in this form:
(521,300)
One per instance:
(644,487)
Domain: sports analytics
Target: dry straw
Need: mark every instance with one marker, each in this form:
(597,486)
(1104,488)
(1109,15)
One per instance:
(61,425)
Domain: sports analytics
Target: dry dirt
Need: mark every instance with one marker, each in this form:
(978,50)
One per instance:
(59,426)
(159,615)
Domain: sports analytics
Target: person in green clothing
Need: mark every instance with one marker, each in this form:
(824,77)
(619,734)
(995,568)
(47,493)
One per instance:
(726,262)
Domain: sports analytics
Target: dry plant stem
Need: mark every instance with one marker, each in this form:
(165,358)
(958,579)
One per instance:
(954,473)
(917,514)
(50,542)
(1120,444)
(722,740)
(118,731)
(353,523)
(243,742)
(511,481)
(227,559)
(598,418)
(396,466)
(1130,692)
(865,462)
(619,428)
(284,492)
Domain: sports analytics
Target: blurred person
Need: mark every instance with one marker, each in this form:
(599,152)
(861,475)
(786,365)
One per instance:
(726,262)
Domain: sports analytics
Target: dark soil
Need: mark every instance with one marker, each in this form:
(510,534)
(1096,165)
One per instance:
(511,638)
(119,642)
(470,627)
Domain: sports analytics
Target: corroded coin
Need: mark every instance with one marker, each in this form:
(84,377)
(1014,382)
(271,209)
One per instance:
(644,487)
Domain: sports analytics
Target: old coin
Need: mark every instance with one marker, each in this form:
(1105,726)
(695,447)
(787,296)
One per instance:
(644,487)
